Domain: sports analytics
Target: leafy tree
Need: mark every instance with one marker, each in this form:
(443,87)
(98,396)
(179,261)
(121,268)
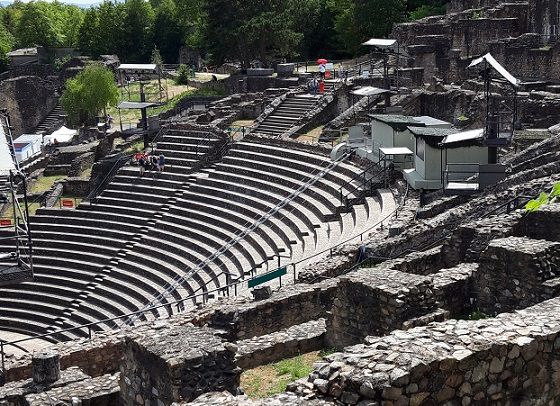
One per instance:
(37,26)
(544,199)
(137,27)
(91,91)
(156,58)
(182,75)
(6,45)
(425,10)
(358,20)
(88,38)
(260,29)
(168,31)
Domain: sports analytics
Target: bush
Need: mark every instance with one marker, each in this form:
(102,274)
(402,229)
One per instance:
(183,73)
(426,11)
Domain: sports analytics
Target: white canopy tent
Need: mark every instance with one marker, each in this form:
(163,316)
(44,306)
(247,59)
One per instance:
(465,136)
(369,91)
(62,135)
(499,68)
(6,161)
(380,43)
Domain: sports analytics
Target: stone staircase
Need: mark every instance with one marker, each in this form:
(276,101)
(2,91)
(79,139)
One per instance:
(52,121)
(287,115)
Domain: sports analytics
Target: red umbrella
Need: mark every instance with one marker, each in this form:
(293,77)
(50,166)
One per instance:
(322,61)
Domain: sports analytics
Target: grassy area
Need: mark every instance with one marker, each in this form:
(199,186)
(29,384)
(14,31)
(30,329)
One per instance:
(44,183)
(271,379)
(9,212)
(86,173)
(313,135)
(132,93)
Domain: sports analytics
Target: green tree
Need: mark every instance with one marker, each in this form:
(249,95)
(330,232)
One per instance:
(88,38)
(6,45)
(261,29)
(358,20)
(91,91)
(168,31)
(37,25)
(138,34)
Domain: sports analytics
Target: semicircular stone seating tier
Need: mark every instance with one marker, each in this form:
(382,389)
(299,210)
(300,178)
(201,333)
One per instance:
(112,256)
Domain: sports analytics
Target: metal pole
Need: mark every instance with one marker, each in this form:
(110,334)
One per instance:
(295,274)
(3,362)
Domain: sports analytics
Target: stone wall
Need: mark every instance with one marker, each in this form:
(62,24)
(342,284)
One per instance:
(376,301)
(81,163)
(512,359)
(72,385)
(76,187)
(512,272)
(293,305)
(176,363)
(298,339)
(29,99)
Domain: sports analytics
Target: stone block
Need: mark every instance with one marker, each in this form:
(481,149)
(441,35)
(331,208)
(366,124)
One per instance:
(513,273)
(176,363)
(260,72)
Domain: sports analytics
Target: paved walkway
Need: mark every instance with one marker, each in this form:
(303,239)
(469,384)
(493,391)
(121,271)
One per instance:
(20,348)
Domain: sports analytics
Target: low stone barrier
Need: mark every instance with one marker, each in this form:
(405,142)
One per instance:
(376,301)
(285,343)
(512,272)
(176,363)
(513,359)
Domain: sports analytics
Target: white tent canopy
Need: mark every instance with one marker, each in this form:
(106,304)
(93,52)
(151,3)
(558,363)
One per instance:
(470,135)
(63,134)
(138,67)
(6,161)
(380,42)
(499,68)
(368,91)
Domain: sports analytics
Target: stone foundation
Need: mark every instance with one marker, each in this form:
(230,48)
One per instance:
(73,384)
(176,363)
(510,360)
(376,301)
(512,272)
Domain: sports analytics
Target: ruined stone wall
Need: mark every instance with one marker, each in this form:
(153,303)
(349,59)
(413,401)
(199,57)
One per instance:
(176,363)
(543,14)
(513,272)
(511,359)
(376,301)
(73,384)
(293,305)
(29,99)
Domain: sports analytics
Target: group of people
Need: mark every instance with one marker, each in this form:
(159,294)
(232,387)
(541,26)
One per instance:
(316,86)
(150,162)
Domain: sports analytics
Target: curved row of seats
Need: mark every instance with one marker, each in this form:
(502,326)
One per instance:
(112,256)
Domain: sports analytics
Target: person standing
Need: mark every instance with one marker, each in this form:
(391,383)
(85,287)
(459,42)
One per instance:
(314,85)
(161,162)
(321,86)
(322,71)
(142,164)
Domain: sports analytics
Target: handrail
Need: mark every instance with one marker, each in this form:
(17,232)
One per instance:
(119,163)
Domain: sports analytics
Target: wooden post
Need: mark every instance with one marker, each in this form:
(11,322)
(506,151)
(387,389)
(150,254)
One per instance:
(46,367)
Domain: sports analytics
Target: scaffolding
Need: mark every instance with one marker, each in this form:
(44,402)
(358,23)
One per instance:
(16,252)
